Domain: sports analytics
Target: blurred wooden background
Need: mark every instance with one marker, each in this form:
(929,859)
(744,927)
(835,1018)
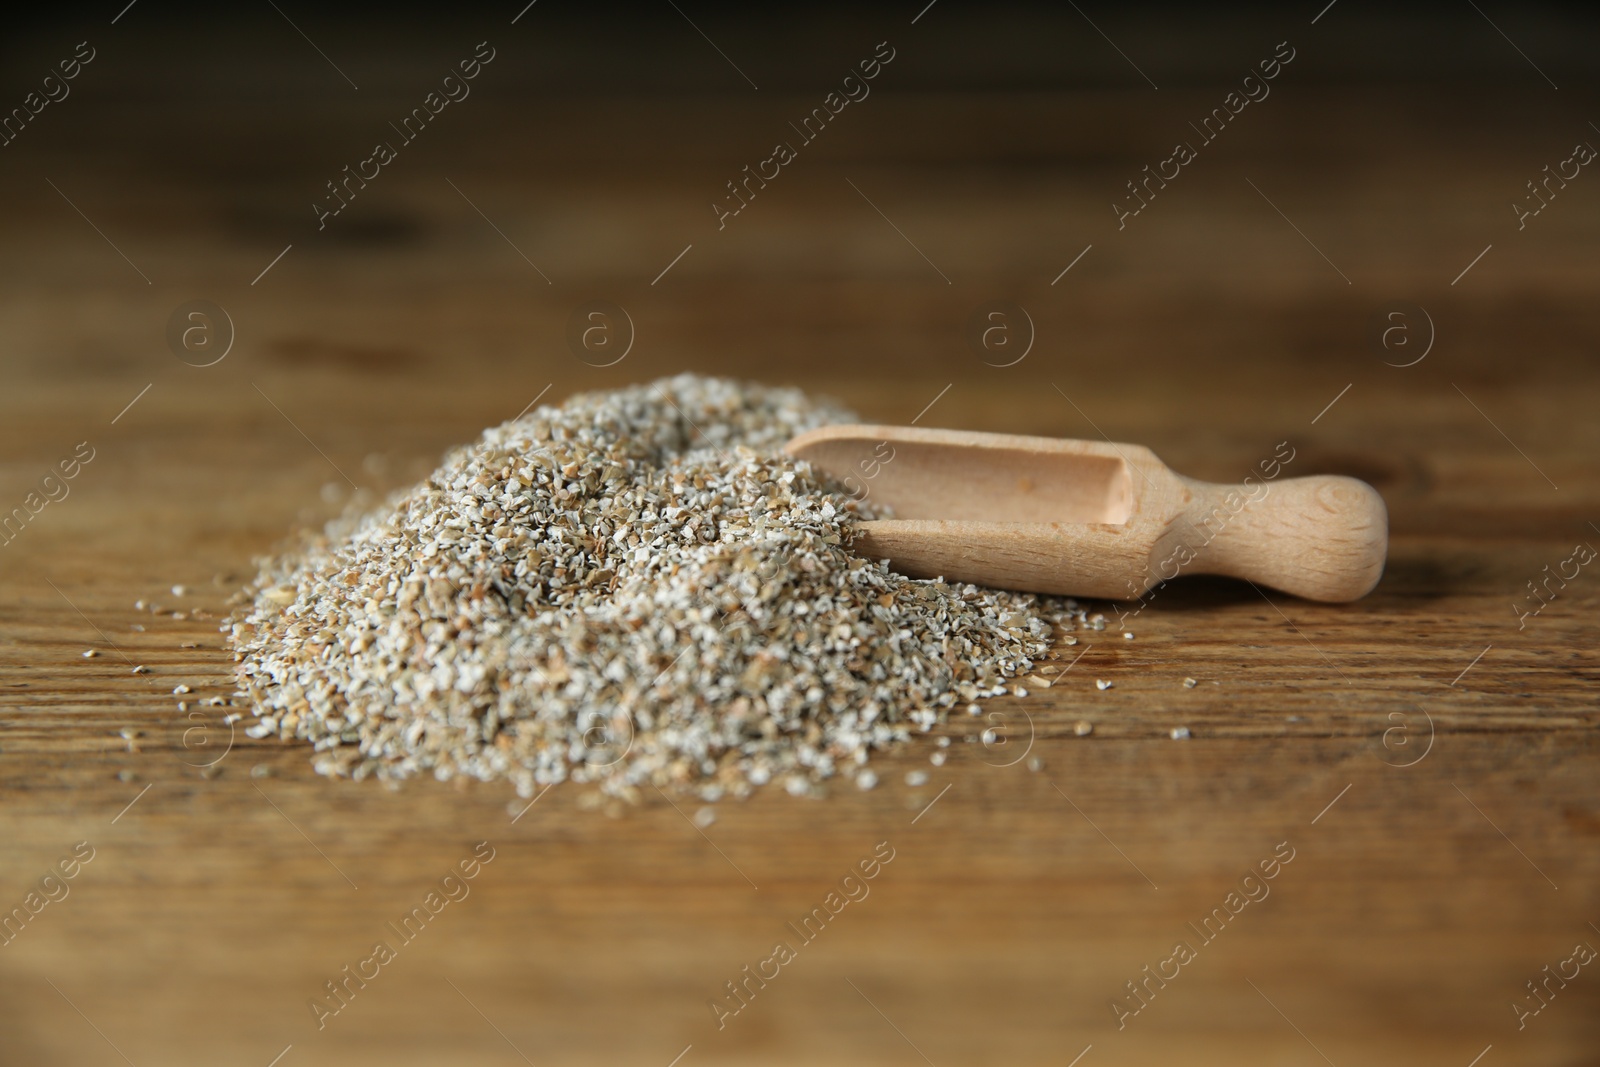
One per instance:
(1431,762)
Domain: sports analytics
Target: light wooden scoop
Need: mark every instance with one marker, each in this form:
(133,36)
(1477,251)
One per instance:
(1091,518)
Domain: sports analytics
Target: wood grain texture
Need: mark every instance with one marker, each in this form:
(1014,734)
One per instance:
(1428,753)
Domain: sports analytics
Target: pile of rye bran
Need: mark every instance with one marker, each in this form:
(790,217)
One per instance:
(634,588)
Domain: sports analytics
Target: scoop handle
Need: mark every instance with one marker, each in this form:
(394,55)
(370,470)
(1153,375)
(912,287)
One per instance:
(1323,537)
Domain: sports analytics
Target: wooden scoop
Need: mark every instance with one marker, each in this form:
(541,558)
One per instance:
(1091,518)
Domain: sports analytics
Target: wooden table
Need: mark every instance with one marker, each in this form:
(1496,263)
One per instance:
(1428,755)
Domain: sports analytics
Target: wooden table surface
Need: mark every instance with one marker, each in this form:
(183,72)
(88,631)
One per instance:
(1428,756)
